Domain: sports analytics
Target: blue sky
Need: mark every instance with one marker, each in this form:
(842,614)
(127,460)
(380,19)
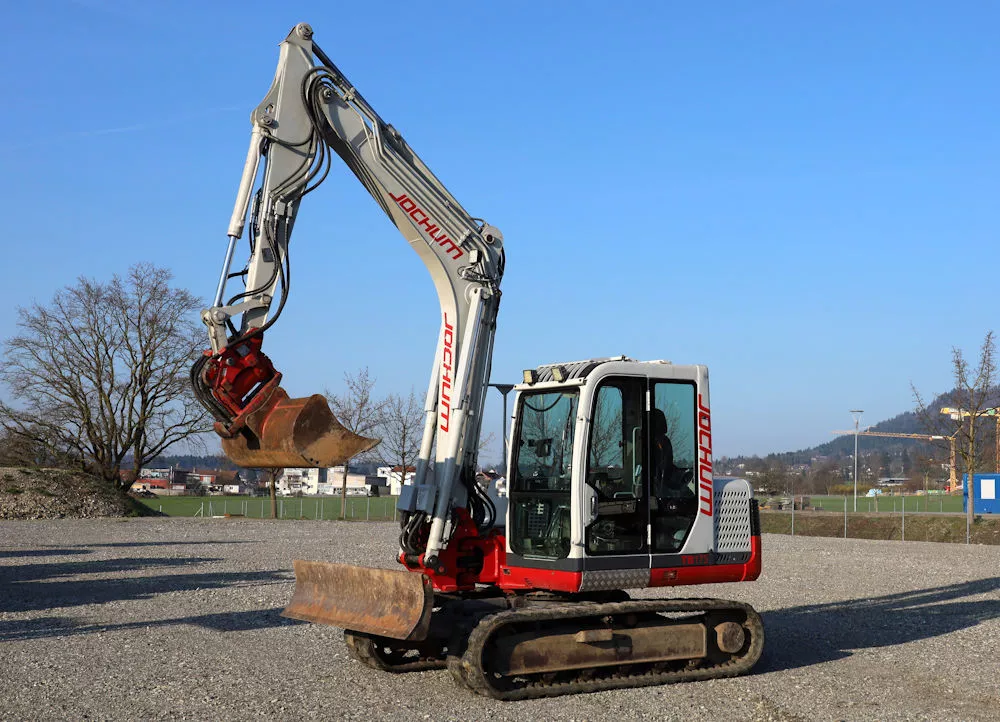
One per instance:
(802,196)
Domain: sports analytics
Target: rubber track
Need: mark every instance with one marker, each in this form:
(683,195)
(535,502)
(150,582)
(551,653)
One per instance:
(468,669)
(364,648)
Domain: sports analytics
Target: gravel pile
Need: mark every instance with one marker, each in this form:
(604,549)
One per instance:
(179,619)
(57,494)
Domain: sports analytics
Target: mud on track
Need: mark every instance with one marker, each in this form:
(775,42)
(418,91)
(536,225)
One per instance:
(178,619)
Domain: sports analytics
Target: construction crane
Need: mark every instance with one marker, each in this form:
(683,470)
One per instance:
(952,478)
(957,414)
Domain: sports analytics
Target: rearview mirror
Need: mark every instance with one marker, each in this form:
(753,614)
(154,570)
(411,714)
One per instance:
(542,447)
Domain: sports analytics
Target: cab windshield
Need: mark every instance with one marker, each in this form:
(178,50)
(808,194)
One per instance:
(542,474)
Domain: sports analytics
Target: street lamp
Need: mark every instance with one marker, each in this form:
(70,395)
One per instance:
(504,389)
(857,420)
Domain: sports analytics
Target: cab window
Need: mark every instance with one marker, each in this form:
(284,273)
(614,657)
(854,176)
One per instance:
(542,474)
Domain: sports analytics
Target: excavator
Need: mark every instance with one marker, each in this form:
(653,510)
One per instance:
(610,483)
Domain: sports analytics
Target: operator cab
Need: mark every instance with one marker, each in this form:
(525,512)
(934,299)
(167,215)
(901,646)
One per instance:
(604,465)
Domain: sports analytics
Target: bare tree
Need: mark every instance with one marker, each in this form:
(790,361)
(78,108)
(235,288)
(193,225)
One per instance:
(101,373)
(924,468)
(20,451)
(974,388)
(606,436)
(823,477)
(360,412)
(272,484)
(402,429)
(775,478)
(485,441)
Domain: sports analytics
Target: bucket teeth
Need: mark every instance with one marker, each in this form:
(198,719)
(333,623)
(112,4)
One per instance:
(290,433)
(384,602)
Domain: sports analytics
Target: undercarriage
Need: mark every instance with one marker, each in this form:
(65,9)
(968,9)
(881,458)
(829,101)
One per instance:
(544,645)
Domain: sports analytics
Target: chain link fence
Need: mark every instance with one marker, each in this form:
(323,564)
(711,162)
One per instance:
(358,508)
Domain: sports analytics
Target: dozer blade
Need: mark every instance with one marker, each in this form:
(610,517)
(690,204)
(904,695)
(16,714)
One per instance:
(290,433)
(388,603)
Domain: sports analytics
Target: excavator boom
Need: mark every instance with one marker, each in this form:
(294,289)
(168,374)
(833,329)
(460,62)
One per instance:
(311,114)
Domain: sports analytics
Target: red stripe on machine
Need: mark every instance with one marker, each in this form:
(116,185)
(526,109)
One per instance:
(704,458)
(425,224)
(447,361)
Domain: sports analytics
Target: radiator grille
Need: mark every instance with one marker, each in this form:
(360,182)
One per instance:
(732,516)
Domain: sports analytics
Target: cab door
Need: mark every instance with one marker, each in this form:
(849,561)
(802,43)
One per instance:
(616,479)
(673,492)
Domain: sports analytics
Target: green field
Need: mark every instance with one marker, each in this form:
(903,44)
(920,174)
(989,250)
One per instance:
(384,508)
(359,508)
(891,527)
(890,504)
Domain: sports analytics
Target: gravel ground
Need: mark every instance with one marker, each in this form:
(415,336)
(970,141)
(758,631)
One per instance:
(178,619)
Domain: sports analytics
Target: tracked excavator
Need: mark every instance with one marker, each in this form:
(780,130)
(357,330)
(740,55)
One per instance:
(610,483)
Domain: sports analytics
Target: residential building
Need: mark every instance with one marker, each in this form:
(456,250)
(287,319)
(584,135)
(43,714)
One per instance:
(159,481)
(322,482)
(198,481)
(306,481)
(395,477)
(357,484)
(157,486)
(492,479)
(232,482)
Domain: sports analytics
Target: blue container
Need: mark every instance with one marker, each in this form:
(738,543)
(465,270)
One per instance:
(987,493)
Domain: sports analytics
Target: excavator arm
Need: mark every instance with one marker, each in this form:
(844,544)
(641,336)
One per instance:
(311,113)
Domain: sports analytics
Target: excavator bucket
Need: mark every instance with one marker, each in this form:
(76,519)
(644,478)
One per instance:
(290,433)
(384,602)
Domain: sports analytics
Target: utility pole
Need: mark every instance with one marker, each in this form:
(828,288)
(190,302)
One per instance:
(857,420)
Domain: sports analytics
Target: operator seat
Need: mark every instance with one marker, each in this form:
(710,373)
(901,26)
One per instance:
(664,470)
(672,508)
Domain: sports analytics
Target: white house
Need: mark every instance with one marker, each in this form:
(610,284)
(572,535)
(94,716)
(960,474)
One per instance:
(300,481)
(394,475)
(322,482)
(356,485)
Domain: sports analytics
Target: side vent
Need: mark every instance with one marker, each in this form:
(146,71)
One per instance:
(734,520)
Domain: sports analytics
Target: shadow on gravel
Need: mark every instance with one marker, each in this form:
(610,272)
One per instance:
(15,553)
(127,545)
(29,587)
(49,627)
(38,572)
(816,633)
(89,548)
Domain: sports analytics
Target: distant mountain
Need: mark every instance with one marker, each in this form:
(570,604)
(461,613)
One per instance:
(842,447)
(905,423)
(192,461)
